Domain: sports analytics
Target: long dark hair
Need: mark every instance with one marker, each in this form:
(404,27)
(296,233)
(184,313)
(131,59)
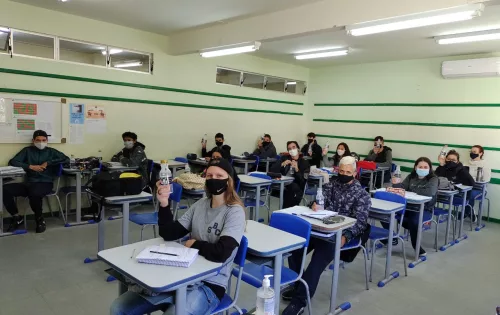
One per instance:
(413,174)
(347,152)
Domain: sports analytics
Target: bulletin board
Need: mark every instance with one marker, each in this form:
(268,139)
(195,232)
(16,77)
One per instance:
(20,117)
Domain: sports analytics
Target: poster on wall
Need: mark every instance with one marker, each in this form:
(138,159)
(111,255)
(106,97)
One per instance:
(95,119)
(76,123)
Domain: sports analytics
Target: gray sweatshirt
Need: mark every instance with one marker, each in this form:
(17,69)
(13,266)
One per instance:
(383,159)
(266,152)
(423,187)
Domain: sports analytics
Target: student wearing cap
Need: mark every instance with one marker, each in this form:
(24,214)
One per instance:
(215,224)
(219,145)
(133,154)
(41,164)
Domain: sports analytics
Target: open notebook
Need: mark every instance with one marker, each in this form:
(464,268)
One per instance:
(168,256)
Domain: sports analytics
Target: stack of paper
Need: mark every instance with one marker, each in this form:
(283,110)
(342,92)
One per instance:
(320,214)
(168,256)
(6,170)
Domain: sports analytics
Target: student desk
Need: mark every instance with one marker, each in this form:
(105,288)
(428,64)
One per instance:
(158,278)
(2,176)
(77,173)
(447,196)
(387,208)
(266,241)
(244,162)
(319,178)
(335,235)
(282,182)
(268,161)
(257,183)
(380,169)
(118,167)
(199,162)
(481,186)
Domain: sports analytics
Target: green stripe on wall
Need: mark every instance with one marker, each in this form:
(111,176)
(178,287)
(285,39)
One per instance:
(131,100)
(404,105)
(141,86)
(407,123)
(462,146)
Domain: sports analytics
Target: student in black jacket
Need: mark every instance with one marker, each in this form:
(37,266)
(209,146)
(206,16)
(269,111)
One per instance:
(219,144)
(133,154)
(451,168)
(313,150)
(382,155)
(295,166)
(265,148)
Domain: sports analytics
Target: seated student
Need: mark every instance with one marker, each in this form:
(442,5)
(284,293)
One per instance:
(223,212)
(346,196)
(342,150)
(382,155)
(295,166)
(265,148)
(476,163)
(421,181)
(219,144)
(133,155)
(41,164)
(312,149)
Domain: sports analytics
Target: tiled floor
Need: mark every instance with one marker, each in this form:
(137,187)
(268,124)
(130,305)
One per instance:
(45,275)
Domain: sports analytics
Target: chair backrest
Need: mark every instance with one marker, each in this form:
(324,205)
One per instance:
(60,170)
(181,159)
(238,183)
(257,160)
(291,224)
(263,176)
(278,157)
(151,164)
(239,259)
(387,196)
(177,194)
(393,167)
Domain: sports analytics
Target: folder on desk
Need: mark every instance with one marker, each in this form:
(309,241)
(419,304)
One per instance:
(168,256)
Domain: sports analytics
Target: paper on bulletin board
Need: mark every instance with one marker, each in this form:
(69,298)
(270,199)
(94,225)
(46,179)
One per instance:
(95,117)
(76,123)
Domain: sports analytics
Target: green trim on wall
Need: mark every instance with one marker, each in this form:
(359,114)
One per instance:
(141,86)
(404,105)
(462,146)
(407,123)
(131,100)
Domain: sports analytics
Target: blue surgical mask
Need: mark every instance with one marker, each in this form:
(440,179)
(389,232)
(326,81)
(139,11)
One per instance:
(422,172)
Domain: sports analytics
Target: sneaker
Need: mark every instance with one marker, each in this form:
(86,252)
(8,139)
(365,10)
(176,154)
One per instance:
(15,223)
(294,308)
(288,293)
(474,218)
(41,226)
(422,253)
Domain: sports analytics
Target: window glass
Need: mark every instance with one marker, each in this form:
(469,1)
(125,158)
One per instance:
(295,87)
(4,39)
(227,76)
(35,45)
(255,81)
(275,84)
(128,60)
(82,52)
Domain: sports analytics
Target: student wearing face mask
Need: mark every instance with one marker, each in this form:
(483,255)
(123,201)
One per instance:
(133,155)
(215,224)
(219,144)
(424,182)
(342,150)
(295,166)
(477,163)
(265,148)
(451,168)
(312,150)
(382,155)
(41,164)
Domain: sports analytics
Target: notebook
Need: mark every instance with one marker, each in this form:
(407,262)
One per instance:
(320,214)
(179,256)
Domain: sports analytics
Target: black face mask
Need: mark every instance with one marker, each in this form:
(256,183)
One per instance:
(473,155)
(216,186)
(310,141)
(344,179)
(450,165)
(219,143)
(265,143)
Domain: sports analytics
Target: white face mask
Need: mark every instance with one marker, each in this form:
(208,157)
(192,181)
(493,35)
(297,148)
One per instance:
(41,145)
(340,152)
(128,144)
(293,152)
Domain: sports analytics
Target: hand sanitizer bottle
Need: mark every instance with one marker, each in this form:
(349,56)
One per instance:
(320,200)
(265,298)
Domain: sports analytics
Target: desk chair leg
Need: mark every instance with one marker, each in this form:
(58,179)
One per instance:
(142,230)
(488,216)
(404,255)
(60,208)
(365,256)
(436,235)
(309,307)
(373,256)
(154,230)
(50,206)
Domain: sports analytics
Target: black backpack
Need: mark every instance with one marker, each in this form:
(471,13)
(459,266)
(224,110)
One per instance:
(108,184)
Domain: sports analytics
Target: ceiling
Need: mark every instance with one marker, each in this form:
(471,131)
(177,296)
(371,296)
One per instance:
(166,16)
(399,45)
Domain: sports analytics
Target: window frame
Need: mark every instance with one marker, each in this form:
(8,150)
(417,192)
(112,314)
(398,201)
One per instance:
(13,49)
(82,42)
(234,70)
(8,42)
(108,60)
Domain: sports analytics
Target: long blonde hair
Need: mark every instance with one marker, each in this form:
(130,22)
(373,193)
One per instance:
(231,197)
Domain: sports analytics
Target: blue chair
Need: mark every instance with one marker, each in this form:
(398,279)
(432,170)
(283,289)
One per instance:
(356,243)
(257,162)
(227,301)
(181,159)
(254,273)
(441,216)
(147,219)
(378,234)
(251,202)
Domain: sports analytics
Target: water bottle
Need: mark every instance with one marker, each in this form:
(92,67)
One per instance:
(72,162)
(397,175)
(164,173)
(327,146)
(310,151)
(187,168)
(265,298)
(99,155)
(204,139)
(479,175)
(320,200)
(444,151)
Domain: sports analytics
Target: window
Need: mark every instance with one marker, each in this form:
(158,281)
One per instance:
(275,84)
(128,60)
(30,44)
(81,52)
(4,39)
(255,81)
(295,87)
(226,76)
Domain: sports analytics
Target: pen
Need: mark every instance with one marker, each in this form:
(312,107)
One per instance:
(132,256)
(152,251)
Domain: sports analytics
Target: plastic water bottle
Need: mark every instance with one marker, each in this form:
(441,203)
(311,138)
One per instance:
(479,175)
(327,146)
(265,298)
(397,175)
(99,155)
(204,139)
(164,173)
(187,168)
(444,150)
(72,162)
(320,200)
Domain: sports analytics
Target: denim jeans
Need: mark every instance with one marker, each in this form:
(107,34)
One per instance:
(200,301)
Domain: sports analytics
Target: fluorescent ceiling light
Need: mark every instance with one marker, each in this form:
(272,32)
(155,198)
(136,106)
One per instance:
(291,83)
(4,30)
(456,14)
(468,37)
(112,51)
(128,64)
(231,50)
(323,54)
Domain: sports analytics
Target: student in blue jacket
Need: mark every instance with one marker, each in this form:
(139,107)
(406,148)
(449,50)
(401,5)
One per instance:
(41,164)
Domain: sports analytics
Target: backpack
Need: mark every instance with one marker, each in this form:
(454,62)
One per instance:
(445,184)
(108,184)
(88,163)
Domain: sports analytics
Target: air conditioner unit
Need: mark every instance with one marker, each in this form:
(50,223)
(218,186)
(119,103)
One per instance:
(484,67)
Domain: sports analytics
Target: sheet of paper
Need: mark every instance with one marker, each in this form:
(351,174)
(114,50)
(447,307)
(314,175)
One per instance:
(96,122)
(320,214)
(76,134)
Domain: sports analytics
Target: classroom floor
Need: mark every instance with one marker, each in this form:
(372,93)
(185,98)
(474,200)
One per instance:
(45,275)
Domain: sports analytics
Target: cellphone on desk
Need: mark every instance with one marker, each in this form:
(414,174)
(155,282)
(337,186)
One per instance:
(333,219)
